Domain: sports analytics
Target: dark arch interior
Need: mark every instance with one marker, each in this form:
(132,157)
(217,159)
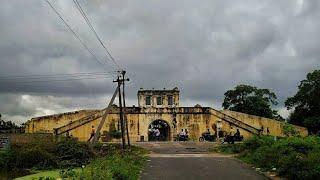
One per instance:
(163,128)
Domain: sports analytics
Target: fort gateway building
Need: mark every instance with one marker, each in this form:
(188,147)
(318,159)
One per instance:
(157,109)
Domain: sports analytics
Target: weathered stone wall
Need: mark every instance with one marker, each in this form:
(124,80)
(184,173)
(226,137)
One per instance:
(195,119)
(46,124)
(164,94)
(275,127)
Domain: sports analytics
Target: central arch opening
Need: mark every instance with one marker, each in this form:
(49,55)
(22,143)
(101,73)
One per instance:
(159,130)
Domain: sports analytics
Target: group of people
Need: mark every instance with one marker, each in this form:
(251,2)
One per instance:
(155,134)
(183,135)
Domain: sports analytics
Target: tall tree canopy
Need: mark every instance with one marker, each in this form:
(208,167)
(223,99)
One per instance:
(306,103)
(251,100)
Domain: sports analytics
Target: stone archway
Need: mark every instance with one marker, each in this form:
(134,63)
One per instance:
(164,131)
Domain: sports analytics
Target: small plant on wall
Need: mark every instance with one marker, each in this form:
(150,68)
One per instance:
(289,130)
(113,132)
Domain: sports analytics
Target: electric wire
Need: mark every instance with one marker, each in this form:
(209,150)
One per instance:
(83,13)
(74,33)
(52,76)
(52,80)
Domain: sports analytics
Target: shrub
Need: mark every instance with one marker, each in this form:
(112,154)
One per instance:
(5,156)
(45,154)
(262,157)
(67,173)
(34,158)
(289,130)
(72,153)
(97,170)
(228,148)
(255,142)
(293,157)
(115,134)
(120,166)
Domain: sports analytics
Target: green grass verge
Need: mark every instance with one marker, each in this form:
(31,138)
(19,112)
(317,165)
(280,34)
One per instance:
(227,149)
(52,174)
(290,157)
(118,165)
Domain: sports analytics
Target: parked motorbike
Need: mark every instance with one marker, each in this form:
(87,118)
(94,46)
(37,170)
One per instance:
(231,139)
(179,137)
(207,137)
(183,138)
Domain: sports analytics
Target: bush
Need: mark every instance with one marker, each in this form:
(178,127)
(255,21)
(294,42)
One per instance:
(115,134)
(45,154)
(120,166)
(34,158)
(255,142)
(293,157)
(97,170)
(71,153)
(5,156)
(67,173)
(289,130)
(228,148)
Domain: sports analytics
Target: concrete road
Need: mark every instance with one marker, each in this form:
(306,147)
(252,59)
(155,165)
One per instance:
(176,147)
(191,161)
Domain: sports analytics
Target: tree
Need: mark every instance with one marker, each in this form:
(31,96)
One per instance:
(251,100)
(306,103)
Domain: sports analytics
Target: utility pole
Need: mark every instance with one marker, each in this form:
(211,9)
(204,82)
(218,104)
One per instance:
(121,114)
(124,106)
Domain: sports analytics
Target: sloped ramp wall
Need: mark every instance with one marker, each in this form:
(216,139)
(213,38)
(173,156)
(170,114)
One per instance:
(274,126)
(46,124)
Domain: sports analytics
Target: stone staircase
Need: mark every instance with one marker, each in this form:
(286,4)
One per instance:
(235,121)
(97,115)
(77,123)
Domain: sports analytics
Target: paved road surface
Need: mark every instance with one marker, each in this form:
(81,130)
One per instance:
(176,147)
(190,161)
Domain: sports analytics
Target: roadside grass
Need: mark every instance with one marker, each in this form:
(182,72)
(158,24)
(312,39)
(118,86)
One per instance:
(51,158)
(54,174)
(227,148)
(290,157)
(118,165)
(46,175)
(111,163)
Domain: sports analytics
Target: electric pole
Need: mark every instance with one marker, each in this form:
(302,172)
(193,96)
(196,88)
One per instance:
(124,106)
(121,113)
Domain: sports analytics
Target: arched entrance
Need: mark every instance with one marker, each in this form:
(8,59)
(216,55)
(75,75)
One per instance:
(159,130)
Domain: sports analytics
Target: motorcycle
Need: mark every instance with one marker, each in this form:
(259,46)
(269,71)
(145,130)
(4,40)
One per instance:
(181,138)
(231,139)
(207,137)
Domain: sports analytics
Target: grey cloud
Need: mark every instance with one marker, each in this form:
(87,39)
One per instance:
(205,48)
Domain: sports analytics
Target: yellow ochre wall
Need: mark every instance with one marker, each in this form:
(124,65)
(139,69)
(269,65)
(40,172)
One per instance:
(195,119)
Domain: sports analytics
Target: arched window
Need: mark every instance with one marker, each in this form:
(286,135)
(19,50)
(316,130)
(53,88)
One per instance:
(148,100)
(159,100)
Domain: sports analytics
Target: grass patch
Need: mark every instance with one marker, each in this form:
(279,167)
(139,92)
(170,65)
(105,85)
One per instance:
(227,149)
(114,165)
(45,154)
(52,174)
(292,157)
(118,165)
(103,161)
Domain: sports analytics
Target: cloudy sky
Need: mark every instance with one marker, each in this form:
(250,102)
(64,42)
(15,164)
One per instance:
(202,47)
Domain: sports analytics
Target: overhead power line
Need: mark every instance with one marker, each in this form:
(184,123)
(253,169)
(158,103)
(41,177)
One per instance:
(85,17)
(74,33)
(49,80)
(49,76)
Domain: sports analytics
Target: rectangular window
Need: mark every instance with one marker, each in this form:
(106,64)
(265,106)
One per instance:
(159,100)
(170,100)
(148,100)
